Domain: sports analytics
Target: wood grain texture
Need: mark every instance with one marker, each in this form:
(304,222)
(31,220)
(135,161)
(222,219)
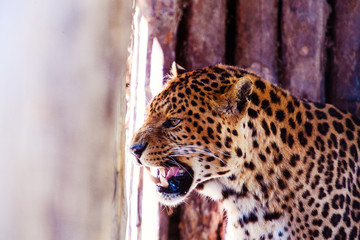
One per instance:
(257,37)
(303,27)
(344,57)
(203,34)
(163,17)
(119,41)
(202,219)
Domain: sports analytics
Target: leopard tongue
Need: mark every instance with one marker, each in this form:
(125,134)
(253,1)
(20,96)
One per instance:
(170,172)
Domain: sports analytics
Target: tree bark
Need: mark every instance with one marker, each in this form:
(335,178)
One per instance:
(303,44)
(257,37)
(163,17)
(202,39)
(344,59)
(202,219)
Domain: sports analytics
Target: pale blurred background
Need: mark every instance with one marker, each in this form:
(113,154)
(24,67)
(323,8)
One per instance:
(62,101)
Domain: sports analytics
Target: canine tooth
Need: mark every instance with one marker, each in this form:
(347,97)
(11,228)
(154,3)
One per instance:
(162,172)
(154,179)
(164,182)
(153,171)
(181,171)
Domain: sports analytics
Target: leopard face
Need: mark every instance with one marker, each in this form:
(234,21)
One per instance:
(283,167)
(183,135)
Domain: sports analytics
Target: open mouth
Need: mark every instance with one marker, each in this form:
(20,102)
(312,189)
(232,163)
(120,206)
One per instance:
(172,179)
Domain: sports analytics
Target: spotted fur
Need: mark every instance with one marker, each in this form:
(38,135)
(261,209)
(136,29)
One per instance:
(283,167)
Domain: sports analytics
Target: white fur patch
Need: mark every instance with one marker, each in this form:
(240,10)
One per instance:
(212,189)
(241,208)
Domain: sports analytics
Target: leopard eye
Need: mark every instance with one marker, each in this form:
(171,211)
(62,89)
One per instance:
(172,122)
(175,121)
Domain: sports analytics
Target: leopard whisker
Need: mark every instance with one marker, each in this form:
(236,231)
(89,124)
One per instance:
(196,159)
(201,151)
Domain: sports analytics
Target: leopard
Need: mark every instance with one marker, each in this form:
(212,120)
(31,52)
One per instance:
(281,166)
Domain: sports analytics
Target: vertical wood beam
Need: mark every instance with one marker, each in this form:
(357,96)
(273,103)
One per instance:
(202,40)
(257,37)
(303,46)
(344,57)
(119,26)
(202,219)
(163,17)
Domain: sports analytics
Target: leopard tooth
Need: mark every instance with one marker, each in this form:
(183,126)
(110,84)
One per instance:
(162,172)
(163,181)
(153,171)
(154,179)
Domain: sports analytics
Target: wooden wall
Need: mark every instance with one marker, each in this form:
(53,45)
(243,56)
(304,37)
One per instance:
(310,47)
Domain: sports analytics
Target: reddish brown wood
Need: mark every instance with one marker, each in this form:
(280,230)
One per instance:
(163,17)
(303,38)
(256,37)
(202,219)
(345,59)
(203,30)
(164,224)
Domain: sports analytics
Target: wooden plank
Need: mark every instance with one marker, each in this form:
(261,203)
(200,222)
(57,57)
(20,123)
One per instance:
(257,37)
(119,40)
(163,17)
(202,219)
(303,36)
(202,39)
(344,57)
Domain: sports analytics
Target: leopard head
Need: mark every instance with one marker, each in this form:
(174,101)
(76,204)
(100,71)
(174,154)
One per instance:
(190,134)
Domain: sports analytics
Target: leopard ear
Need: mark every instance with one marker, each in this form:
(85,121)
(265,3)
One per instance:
(176,69)
(236,99)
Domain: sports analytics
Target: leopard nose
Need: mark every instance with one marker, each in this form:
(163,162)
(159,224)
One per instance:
(138,149)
